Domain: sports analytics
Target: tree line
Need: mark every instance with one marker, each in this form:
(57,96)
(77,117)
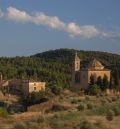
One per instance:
(54,66)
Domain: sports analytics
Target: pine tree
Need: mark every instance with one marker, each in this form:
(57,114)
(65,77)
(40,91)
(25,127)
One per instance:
(105,82)
(92,79)
(117,81)
(99,81)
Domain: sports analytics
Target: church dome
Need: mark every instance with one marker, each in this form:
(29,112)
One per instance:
(95,64)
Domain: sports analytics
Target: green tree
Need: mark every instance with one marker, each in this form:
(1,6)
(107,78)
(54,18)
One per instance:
(92,79)
(105,82)
(99,81)
(117,81)
(56,89)
(94,89)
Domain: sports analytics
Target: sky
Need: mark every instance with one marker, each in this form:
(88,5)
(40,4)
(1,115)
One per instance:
(28,27)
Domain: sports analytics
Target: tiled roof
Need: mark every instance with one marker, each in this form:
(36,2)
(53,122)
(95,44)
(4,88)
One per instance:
(95,64)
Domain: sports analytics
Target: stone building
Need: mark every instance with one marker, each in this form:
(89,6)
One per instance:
(30,86)
(81,76)
(25,86)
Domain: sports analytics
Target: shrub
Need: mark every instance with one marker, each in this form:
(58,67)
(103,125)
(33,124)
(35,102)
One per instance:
(26,126)
(104,101)
(79,100)
(87,98)
(116,110)
(56,116)
(58,107)
(40,119)
(36,97)
(81,107)
(20,126)
(98,124)
(74,101)
(102,94)
(86,125)
(94,89)
(98,96)
(3,112)
(101,110)
(110,115)
(57,90)
(89,106)
(114,98)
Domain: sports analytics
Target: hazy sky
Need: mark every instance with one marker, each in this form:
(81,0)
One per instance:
(31,26)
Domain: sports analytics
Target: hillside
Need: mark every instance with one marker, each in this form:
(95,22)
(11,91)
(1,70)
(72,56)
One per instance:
(65,55)
(54,66)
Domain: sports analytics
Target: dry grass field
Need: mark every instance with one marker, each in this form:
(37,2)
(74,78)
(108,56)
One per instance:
(69,111)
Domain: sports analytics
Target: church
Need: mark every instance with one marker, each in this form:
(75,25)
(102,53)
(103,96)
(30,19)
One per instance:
(81,76)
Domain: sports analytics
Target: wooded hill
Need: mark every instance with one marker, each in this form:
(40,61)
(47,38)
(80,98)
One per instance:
(54,66)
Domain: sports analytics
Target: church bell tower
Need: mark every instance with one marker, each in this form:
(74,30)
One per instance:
(75,70)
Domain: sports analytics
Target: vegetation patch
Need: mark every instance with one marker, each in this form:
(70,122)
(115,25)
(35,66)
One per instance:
(3,112)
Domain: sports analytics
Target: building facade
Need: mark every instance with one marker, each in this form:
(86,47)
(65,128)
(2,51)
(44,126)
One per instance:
(25,86)
(81,76)
(30,86)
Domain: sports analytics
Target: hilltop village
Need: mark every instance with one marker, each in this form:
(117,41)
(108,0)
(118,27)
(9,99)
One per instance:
(80,78)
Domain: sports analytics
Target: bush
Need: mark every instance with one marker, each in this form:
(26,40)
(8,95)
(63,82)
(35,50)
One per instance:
(116,110)
(40,119)
(87,98)
(56,116)
(94,89)
(36,97)
(110,115)
(3,112)
(79,100)
(81,107)
(103,101)
(26,126)
(20,126)
(86,125)
(98,96)
(74,101)
(58,107)
(56,90)
(89,106)
(98,124)
(114,98)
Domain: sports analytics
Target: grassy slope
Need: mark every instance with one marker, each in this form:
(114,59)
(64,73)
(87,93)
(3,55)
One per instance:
(70,118)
